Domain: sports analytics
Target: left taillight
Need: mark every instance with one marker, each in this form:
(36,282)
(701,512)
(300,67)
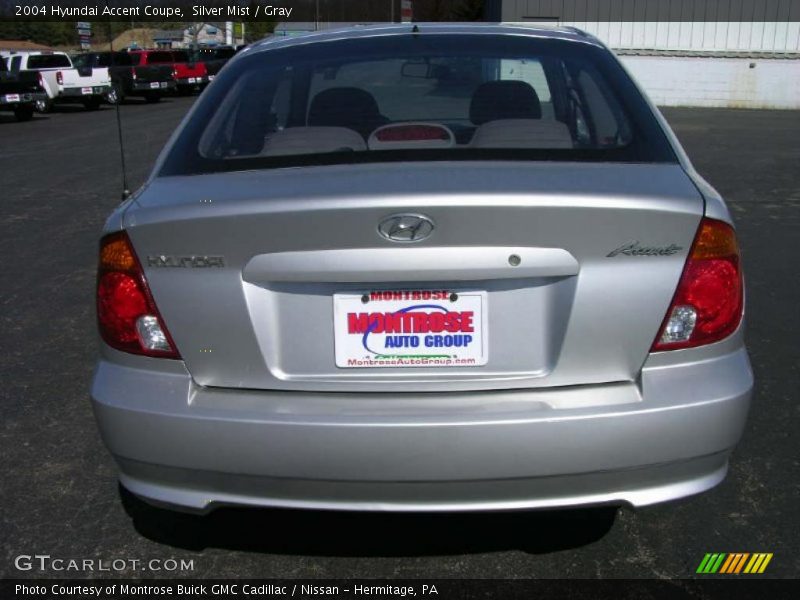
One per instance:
(59,78)
(127,315)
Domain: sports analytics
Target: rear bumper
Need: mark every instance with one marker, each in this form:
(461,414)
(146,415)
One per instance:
(14,100)
(145,86)
(666,438)
(77,93)
(183,81)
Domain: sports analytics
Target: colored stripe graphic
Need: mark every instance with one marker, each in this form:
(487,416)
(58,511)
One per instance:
(711,563)
(758,563)
(734,562)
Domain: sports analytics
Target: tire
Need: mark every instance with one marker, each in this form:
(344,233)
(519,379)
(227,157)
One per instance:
(152,97)
(43,106)
(24,113)
(92,103)
(114,96)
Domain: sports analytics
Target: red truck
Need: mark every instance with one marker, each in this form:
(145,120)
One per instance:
(189,75)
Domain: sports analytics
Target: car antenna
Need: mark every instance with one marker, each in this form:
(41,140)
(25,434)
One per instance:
(125,190)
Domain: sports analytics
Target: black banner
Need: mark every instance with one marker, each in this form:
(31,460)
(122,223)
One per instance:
(739,587)
(349,11)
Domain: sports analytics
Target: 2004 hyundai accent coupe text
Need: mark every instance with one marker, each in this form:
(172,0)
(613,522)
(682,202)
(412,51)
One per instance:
(432,267)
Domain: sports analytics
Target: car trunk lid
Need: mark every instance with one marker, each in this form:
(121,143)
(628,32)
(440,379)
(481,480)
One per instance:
(567,269)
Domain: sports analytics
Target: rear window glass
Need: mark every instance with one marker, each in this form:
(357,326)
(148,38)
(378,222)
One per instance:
(120,59)
(181,56)
(81,60)
(48,61)
(433,97)
(160,57)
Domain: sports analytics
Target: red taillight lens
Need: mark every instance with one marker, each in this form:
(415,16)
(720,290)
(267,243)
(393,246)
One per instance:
(126,313)
(59,78)
(708,304)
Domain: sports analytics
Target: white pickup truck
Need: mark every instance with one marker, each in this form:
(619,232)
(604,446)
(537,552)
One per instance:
(62,81)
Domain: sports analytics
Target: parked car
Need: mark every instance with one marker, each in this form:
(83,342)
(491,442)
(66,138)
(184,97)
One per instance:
(342,288)
(129,78)
(188,74)
(213,59)
(62,82)
(19,91)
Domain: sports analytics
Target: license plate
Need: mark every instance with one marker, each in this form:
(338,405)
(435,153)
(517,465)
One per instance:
(86,91)
(12,97)
(410,328)
(192,80)
(154,85)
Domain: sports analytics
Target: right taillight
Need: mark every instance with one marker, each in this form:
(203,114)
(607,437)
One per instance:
(59,78)
(126,313)
(709,301)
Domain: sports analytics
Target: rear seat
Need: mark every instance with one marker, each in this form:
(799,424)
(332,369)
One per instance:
(312,140)
(522,133)
(508,114)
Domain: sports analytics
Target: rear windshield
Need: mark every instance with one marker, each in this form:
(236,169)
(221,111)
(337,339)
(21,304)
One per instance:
(119,59)
(180,56)
(48,61)
(160,57)
(82,60)
(435,97)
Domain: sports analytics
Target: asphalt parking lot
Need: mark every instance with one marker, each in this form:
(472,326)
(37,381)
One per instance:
(61,177)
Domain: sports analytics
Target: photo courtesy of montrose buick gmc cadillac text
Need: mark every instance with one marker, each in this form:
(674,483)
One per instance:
(421,268)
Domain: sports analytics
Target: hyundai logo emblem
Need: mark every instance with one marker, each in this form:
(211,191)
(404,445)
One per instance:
(406,228)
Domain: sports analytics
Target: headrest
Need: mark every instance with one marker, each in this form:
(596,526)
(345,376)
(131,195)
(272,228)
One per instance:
(504,100)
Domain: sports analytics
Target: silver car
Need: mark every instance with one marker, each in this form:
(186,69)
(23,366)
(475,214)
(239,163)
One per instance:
(422,268)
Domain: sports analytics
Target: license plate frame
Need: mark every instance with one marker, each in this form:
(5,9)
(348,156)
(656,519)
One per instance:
(410,328)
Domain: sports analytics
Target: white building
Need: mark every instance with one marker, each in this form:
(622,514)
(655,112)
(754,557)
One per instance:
(724,53)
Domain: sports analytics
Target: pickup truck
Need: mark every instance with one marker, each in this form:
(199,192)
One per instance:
(188,74)
(214,59)
(19,91)
(128,77)
(61,80)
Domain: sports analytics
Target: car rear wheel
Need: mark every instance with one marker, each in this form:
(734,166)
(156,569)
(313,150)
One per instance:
(43,106)
(115,96)
(24,113)
(91,103)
